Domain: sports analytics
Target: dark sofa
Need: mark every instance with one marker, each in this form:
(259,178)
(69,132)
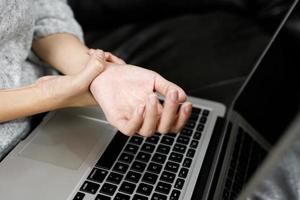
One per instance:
(208,47)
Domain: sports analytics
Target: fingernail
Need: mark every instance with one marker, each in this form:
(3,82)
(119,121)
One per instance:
(174,95)
(152,99)
(187,109)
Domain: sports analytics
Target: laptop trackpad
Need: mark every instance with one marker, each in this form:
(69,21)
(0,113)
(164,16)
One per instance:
(67,142)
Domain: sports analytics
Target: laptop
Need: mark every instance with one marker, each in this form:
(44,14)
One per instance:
(75,154)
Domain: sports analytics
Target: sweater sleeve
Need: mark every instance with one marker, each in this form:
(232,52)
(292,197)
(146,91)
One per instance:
(54,16)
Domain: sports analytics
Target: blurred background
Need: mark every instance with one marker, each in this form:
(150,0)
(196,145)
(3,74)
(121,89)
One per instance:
(208,47)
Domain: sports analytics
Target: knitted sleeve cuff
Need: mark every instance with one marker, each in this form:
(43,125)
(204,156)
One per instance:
(53,17)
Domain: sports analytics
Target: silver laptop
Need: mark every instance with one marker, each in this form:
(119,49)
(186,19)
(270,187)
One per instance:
(76,154)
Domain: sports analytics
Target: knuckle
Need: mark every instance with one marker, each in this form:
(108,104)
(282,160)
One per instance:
(163,130)
(100,51)
(127,132)
(146,133)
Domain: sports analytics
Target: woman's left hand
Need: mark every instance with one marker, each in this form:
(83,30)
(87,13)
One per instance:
(73,90)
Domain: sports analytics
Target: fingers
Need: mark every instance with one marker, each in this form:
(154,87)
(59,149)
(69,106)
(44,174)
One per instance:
(163,86)
(92,69)
(172,120)
(183,115)
(151,117)
(114,59)
(109,57)
(145,119)
(169,113)
(131,126)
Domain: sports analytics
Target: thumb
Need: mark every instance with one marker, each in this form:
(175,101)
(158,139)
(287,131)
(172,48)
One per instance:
(93,68)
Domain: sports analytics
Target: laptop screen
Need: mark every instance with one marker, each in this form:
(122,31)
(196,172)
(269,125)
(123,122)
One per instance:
(270,100)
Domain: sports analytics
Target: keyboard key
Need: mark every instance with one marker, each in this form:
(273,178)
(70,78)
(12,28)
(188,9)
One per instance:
(79,196)
(171,135)
(167,140)
(138,166)
(197,135)
(190,124)
(120,167)
(153,139)
(190,153)
(157,134)
(145,189)
(163,149)
(131,148)
(228,183)
(133,176)
(144,157)
(97,175)
(230,173)
(136,140)
(179,148)
(176,157)
(120,196)
(187,162)
(186,132)
(126,158)
(139,197)
(157,196)
(127,187)
(183,172)
(194,144)
(89,187)
(167,177)
(179,183)
(149,178)
(200,127)
(225,194)
(102,197)
(203,120)
(148,148)
(159,158)
(112,151)
(205,113)
(172,167)
(154,167)
(108,189)
(194,117)
(196,110)
(183,140)
(175,195)
(114,178)
(163,188)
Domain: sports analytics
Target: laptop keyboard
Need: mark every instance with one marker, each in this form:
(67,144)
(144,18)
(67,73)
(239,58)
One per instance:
(141,168)
(246,157)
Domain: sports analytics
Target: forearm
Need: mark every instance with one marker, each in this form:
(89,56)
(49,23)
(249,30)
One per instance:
(25,101)
(63,51)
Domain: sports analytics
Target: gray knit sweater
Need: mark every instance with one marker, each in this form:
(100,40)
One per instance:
(21,22)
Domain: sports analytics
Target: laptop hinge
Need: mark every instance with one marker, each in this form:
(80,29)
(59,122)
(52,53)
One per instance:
(203,176)
(220,161)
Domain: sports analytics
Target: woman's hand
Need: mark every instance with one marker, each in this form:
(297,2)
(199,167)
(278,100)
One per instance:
(126,94)
(73,90)
(52,92)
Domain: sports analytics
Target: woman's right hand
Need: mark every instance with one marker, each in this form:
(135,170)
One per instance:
(127,96)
